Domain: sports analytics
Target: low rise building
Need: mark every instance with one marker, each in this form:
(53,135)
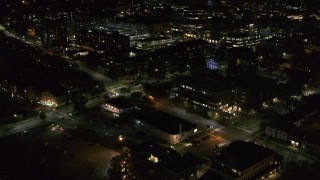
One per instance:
(154,43)
(246,160)
(58,29)
(53,96)
(253,90)
(164,126)
(118,106)
(299,128)
(164,163)
(205,92)
(158,62)
(241,40)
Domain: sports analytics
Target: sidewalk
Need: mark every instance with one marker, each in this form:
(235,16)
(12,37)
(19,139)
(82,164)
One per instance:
(292,150)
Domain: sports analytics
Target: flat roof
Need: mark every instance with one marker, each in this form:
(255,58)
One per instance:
(169,158)
(119,102)
(255,81)
(308,110)
(241,155)
(207,83)
(166,122)
(154,39)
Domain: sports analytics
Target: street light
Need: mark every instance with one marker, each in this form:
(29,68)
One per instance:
(120,138)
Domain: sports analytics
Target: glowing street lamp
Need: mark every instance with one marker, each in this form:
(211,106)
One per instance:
(120,138)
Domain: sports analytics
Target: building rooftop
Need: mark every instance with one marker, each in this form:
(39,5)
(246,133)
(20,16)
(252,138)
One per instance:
(255,81)
(54,88)
(149,20)
(206,83)
(151,39)
(135,32)
(241,155)
(119,102)
(310,112)
(166,122)
(168,158)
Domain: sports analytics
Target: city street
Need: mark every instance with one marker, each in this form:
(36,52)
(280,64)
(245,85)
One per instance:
(168,106)
(55,115)
(290,153)
(159,89)
(228,134)
(204,148)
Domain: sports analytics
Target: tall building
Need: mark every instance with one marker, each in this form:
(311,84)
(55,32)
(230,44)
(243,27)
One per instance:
(103,40)
(82,25)
(58,29)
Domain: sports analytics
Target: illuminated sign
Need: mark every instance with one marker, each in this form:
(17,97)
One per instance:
(212,64)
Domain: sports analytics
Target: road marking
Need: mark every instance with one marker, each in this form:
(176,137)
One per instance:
(250,132)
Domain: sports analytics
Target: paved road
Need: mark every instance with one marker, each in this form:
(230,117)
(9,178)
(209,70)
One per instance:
(7,130)
(205,147)
(289,153)
(10,129)
(170,107)
(222,135)
(230,133)
(93,73)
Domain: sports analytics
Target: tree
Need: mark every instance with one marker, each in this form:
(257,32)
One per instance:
(42,116)
(136,96)
(125,90)
(114,171)
(79,101)
(210,114)
(187,105)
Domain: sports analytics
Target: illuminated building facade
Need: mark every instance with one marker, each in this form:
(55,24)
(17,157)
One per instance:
(208,93)
(154,43)
(118,106)
(134,32)
(297,128)
(58,32)
(52,99)
(242,40)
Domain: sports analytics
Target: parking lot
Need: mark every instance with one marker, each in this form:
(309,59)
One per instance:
(52,152)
